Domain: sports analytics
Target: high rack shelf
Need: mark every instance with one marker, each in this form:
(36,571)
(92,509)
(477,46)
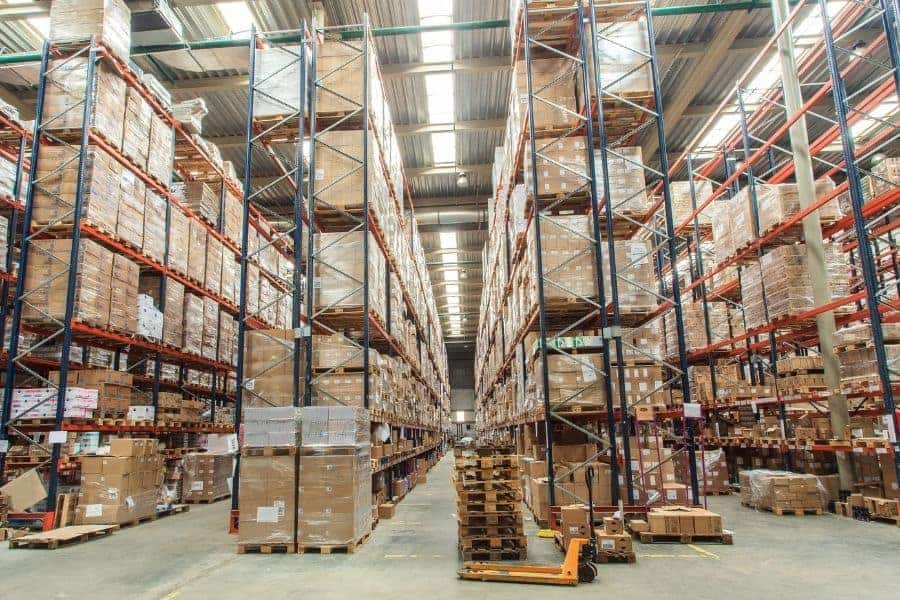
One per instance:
(595,301)
(785,360)
(357,289)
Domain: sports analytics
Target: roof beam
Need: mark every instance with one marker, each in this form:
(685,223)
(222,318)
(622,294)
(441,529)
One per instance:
(702,70)
(469,65)
(210,84)
(475,201)
(426,128)
(20,12)
(484,169)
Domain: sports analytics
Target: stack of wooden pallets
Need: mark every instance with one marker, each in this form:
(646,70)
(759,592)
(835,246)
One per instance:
(489,504)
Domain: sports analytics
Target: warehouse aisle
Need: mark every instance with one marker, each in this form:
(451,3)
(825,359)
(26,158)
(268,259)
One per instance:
(190,557)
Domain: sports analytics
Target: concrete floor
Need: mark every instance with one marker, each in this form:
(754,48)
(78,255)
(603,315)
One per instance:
(190,556)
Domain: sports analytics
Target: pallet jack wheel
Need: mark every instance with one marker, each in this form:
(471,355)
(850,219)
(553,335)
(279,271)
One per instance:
(587,572)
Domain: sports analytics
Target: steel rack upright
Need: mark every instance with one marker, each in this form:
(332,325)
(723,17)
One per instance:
(278,117)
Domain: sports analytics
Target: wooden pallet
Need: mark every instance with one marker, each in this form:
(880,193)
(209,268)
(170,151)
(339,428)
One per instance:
(270,451)
(491,555)
(207,500)
(332,548)
(65,536)
(468,496)
(248,548)
(647,537)
(487,507)
(791,511)
(491,531)
(493,542)
(174,510)
(486,484)
(490,520)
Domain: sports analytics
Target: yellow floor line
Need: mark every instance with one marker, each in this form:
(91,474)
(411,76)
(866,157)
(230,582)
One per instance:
(703,552)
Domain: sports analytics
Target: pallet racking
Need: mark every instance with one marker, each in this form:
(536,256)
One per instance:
(765,147)
(609,116)
(288,128)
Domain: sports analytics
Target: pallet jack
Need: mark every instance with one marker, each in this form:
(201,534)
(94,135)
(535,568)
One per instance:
(577,566)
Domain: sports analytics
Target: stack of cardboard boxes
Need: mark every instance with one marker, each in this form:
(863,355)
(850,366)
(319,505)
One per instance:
(681,521)
(207,477)
(121,487)
(782,492)
(489,504)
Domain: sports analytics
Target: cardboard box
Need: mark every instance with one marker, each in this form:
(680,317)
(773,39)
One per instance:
(268,499)
(386,510)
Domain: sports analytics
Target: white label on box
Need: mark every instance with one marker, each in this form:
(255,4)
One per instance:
(608,544)
(129,502)
(279,504)
(266,514)
(881,450)
(588,373)
(113,493)
(320,174)
(93,510)
(888,421)
(4,446)
(231,442)
(57,437)
(693,410)
(249,384)
(574,529)
(671,494)
(196,486)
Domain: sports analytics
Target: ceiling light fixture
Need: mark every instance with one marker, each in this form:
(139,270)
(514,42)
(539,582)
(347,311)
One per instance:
(462,181)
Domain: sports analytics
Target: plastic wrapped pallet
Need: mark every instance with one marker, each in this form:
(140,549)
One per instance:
(230,276)
(210,328)
(272,426)
(788,284)
(683,204)
(268,498)
(74,22)
(575,381)
(173,314)
(64,99)
(196,263)
(343,389)
(190,114)
(231,217)
(339,67)
(337,351)
(227,332)
(695,326)
(334,426)
(4,242)
(626,181)
(213,271)
(153,242)
(149,319)
(192,327)
(622,49)
(782,491)
(277,77)
(339,180)
(46,280)
(57,177)
(561,165)
(159,91)
(269,368)
(179,240)
(634,274)
(200,198)
(339,272)
(553,80)
(159,155)
(207,477)
(130,215)
(252,301)
(7,176)
(123,295)
(568,257)
(115,390)
(138,119)
(779,202)
(335,495)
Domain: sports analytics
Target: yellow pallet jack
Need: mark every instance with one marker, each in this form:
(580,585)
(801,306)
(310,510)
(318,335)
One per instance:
(578,565)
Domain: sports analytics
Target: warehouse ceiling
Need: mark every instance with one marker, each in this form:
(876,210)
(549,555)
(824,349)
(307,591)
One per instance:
(447,92)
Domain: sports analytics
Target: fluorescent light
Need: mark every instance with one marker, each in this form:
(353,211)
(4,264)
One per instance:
(439,91)
(237,15)
(460,416)
(452,300)
(448,239)
(453,309)
(452,288)
(449,257)
(451,275)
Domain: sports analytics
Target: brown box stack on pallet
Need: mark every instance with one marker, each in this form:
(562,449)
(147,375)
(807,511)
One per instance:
(782,492)
(784,276)
(801,375)
(267,362)
(712,471)
(268,495)
(695,326)
(122,487)
(45,281)
(856,354)
(627,186)
(113,388)
(206,477)
(553,80)
(683,203)
(489,504)
(335,477)
(570,477)
(72,22)
(339,273)
(684,522)
(173,315)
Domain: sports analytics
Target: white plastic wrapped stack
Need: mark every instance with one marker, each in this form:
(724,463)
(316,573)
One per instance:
(149,318)
(190,113)
(272,426)
(38,403)
(335,426)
